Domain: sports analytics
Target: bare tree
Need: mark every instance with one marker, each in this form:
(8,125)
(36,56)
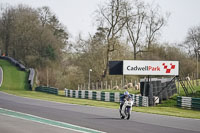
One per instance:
(154,22)
(192,42)
(111,17)
(136,16)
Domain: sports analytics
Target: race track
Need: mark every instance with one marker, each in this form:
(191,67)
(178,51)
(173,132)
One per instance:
(101,119)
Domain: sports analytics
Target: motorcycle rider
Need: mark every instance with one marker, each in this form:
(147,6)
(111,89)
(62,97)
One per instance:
(123,98)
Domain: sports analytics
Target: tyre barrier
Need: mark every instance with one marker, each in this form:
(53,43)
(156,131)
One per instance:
(14,62)
(188,102)
(46,89)
(31,77)
(105,96)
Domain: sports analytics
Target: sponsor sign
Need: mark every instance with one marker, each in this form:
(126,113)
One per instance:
(142,67)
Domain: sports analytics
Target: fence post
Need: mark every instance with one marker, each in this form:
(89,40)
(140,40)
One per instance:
(111,84)
(106,84)
(92,86)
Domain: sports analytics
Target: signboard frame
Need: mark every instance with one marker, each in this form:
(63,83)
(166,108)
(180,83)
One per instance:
(149,67)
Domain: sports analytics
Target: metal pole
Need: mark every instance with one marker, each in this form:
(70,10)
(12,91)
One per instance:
(90,70)
(123,81)
(89,81)
(197,64)
(47,77)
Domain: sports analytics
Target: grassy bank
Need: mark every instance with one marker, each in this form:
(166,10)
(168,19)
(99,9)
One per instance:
(13,79)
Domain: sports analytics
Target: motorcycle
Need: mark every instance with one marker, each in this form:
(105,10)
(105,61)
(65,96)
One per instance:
(125,112)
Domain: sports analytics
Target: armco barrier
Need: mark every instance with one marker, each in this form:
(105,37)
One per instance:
(49,90)
(105,96)
(31,77)
(14,62)
(188,102)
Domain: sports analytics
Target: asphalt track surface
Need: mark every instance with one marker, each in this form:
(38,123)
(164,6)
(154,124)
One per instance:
(14,125)
(102,119)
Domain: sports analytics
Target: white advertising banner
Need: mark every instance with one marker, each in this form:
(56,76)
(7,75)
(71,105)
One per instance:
(143,67)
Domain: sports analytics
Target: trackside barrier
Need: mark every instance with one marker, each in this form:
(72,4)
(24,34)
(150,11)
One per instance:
(105,96)
(31,77)
(188,102)
(14,62)
(46,89)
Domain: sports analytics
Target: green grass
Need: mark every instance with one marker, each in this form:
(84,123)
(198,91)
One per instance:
(195,87)
(171,111)
(15,82)
(13,79)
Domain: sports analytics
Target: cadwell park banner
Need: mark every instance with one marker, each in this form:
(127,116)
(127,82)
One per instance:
(143,67)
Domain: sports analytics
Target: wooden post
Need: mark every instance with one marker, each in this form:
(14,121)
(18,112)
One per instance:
(111,84)
(106,84)
(121,84)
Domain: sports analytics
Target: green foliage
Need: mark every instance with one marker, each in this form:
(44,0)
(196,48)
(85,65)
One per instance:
(30,38)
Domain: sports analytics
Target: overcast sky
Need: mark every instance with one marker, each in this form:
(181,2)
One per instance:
(78,15)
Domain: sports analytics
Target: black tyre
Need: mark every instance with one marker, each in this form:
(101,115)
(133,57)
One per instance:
(122,117)
(128,116)
(128,113)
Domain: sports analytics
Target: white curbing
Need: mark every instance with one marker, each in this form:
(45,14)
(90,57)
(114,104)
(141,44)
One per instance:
(1,76)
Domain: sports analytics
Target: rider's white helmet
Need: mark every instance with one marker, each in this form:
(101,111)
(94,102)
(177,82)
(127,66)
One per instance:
(126,93)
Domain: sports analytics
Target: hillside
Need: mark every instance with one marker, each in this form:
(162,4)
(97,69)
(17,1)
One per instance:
(13,78)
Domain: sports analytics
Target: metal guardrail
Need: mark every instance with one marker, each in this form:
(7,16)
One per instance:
(14,62)
(188,102)
(46,89)
(105,96)
(31,77)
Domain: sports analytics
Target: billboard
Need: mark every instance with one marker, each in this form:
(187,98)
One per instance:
(115,67)
(143,67)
